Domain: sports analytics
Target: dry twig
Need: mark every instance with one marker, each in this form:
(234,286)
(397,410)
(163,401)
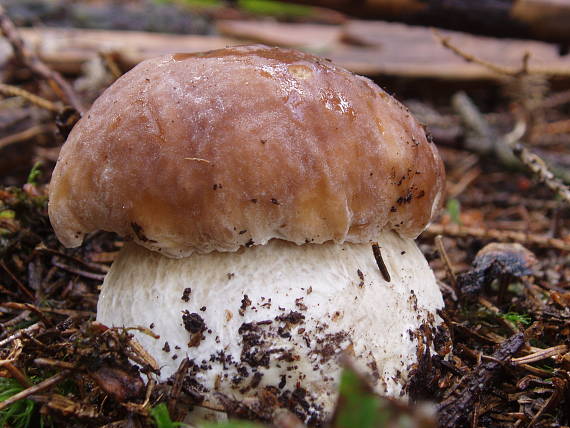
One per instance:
(499,235)
(445,257)
(14,91)
(446,43)
(28,134)
(458,405)
(541,355)
(534,162)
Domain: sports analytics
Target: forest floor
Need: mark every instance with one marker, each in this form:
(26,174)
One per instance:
(503,351)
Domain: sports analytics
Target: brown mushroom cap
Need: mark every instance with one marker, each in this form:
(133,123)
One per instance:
(214,151)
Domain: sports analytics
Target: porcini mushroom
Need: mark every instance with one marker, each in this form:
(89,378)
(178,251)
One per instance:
(253,183)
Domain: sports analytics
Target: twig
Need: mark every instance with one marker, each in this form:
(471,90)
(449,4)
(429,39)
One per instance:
(141,356)
(499,235)
(30,60)
(14,91)
(541,355)
(446,43)
(17,374)
(483,139)
(48,362)
(511,142)
(21,332)
(536,371)
(19,283)
(458,406)
(561,386)
(80,272)
(24,135)
(445,257)
(96,266)
(380,261)
(534,162)
(484,302)
(177,386)
(34,389)
(29,307)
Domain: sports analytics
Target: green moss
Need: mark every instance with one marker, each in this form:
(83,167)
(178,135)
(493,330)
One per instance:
(19,414)
(453,208)
(517,318)
(35,173)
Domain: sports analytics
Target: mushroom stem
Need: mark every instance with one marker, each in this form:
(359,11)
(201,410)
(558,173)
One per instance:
(278,315)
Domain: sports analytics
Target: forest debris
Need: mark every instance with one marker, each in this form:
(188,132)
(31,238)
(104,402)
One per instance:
(425,56)
(37,66)
(117,382)
(496,261)
(448,266)
(80,272)
(70,407)
(14,91)
(471,58)
(526,238)
(535,163)
(541,355)
(561,386)
(509,147)
(481,137)
(19,333)
(35,389)
(19,283)
(25,135)
(459,405)
(364,47)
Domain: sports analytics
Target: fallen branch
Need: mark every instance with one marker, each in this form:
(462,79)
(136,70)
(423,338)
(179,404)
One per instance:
(459,405)
(499,235)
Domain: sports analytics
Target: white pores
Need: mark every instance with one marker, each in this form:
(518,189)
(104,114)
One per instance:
(278,315)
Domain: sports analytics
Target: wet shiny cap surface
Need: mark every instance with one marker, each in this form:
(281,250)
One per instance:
(231,148)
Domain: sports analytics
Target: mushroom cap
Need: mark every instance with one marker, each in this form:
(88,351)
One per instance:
(213,151)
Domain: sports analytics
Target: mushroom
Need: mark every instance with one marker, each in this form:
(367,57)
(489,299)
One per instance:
(270,200)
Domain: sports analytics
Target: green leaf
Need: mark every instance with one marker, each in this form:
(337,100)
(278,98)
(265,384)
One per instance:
(7,214)
(35,173)
(358,406)
(162,417)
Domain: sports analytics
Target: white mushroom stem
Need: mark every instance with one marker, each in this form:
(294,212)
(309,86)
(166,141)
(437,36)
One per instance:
(278,315)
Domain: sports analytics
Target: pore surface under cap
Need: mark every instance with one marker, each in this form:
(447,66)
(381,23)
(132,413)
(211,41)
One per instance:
(204,152)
